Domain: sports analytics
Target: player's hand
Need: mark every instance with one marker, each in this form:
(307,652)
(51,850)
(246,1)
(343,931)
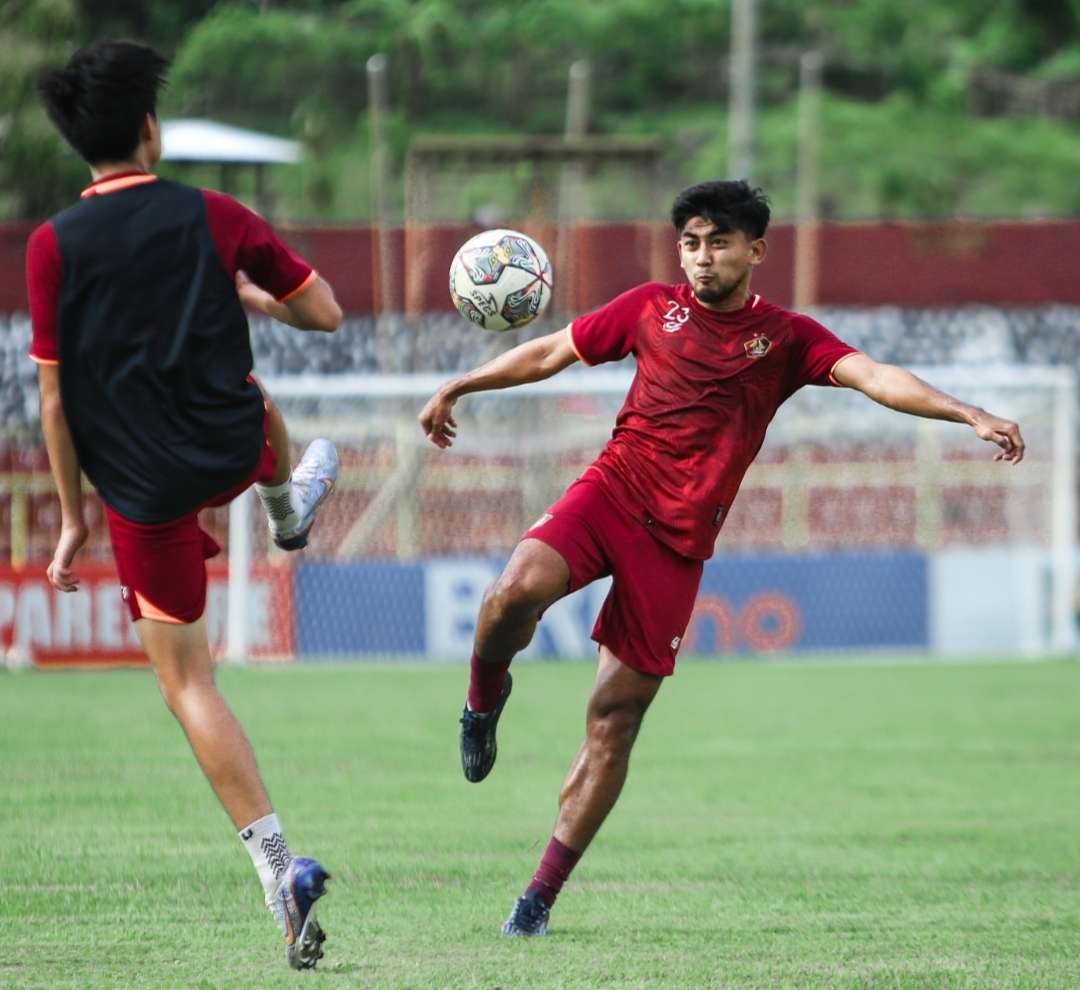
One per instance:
(1004,433)
(437,421)
(61,576)
(250,294)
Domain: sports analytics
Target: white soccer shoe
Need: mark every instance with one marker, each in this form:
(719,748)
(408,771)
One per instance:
(313,480)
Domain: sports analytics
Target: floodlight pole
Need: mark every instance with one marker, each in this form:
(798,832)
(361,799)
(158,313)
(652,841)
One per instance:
(378,103)
(743,89)
(807,210)
(572,196)
(578,98)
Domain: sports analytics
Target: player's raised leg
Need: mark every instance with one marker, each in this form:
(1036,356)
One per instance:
(292,497)
(535,576)
(180,656)
(616,709)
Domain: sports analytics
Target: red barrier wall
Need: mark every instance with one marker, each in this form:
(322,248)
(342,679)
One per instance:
(860,264)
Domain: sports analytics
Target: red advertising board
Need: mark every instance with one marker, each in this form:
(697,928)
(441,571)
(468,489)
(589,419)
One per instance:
(92,625)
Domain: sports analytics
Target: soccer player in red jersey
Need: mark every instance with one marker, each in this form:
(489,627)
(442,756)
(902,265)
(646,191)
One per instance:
(137,297)
(714,363)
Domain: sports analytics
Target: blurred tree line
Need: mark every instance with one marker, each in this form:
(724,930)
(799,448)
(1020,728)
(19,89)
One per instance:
(932,107)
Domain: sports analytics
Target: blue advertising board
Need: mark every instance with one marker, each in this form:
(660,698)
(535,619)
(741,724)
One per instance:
(747,603)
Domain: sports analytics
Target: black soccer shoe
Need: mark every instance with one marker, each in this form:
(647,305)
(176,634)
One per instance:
(529,917)
(478,747)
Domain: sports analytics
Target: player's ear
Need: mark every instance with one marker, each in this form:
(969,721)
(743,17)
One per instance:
(150,137)
(758,250)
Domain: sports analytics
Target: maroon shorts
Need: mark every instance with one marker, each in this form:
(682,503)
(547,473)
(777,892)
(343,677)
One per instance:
(162,566)
(645,615)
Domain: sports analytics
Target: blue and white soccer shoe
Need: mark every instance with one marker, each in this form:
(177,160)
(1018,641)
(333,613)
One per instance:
(313,480)
(293,906)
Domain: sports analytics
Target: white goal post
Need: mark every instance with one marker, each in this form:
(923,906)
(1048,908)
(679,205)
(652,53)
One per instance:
(837,474)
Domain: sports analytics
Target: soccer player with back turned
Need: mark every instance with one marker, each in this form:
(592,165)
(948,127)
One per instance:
(137,297)
(714,362)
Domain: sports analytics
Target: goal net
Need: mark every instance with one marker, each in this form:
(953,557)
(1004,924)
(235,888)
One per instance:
(857,528)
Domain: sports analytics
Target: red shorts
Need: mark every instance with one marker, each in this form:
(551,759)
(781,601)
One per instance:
(652,595)
(162,566)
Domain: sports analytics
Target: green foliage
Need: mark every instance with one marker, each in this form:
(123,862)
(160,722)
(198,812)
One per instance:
(160,24)
(279,68)
(895,158)
(903,81)
(37,171)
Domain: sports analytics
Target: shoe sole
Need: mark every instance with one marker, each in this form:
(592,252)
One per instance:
(307,950)
(496,715)
(515,932)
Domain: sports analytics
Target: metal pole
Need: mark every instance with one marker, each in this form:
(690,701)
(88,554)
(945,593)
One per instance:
(385,274)
(807,219)
(578,98)
(377,108)
(571,207)
(1063,638)
(743,67)
(236,629)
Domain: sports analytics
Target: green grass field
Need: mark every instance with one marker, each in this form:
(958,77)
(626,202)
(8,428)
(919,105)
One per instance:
(785,825)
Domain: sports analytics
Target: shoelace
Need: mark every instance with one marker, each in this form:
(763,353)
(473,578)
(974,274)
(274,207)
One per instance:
(530,911)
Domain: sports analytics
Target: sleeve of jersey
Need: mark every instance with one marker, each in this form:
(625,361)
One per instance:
(610,332)
(43,271)
(820,352)
(246,241)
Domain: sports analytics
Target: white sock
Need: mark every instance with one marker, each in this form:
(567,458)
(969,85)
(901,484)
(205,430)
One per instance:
(282,506)
(268,850)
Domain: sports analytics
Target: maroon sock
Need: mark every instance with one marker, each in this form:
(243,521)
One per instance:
(485,683)
(554,870)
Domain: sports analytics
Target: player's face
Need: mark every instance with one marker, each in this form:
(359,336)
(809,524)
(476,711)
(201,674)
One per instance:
(717,262)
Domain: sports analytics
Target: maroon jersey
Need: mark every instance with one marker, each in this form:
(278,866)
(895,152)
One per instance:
(706,388)
(243,239)
(132,292)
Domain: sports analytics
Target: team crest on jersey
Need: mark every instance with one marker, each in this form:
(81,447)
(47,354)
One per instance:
(757,346)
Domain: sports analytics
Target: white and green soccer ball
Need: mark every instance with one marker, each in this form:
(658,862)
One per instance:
(500,279)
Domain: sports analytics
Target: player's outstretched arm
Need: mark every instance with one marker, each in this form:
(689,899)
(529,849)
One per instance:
(65,470)
(899,389)
(313,309)
(532,361)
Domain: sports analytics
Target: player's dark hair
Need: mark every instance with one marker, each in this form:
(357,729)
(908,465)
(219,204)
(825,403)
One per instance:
(731,205)
(98,101)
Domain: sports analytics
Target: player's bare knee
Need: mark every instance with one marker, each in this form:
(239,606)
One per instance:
(172,693)
(178,684)
(613,728)
(519,594)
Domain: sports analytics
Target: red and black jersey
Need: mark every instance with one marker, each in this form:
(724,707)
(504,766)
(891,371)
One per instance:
(706,389)
(132,291)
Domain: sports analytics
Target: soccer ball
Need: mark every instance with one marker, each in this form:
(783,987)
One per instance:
(500,279)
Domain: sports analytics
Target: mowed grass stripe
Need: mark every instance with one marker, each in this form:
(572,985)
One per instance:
(784,825)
